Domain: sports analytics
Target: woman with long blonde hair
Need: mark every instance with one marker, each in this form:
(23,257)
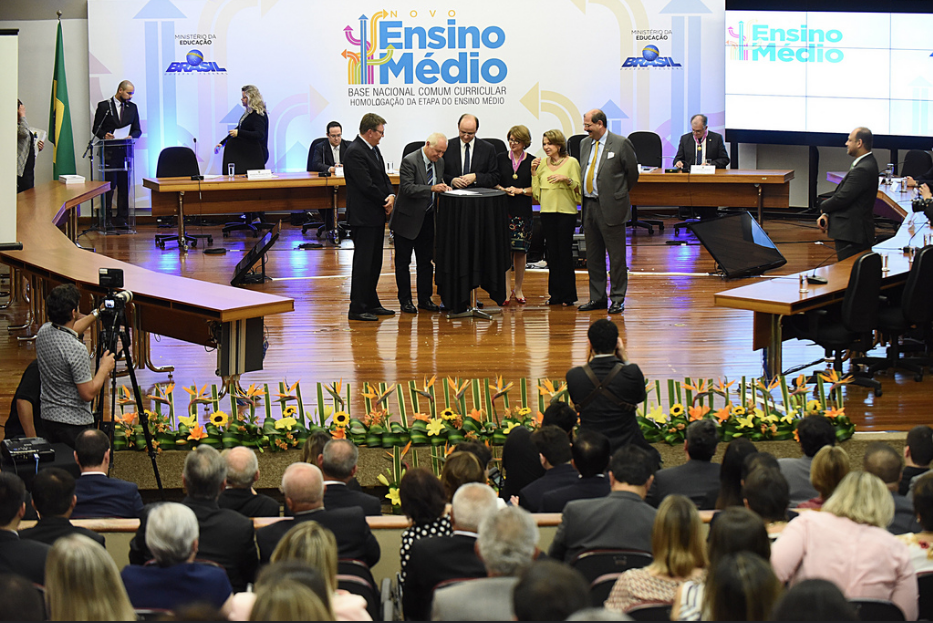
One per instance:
(247,145)
(82,583)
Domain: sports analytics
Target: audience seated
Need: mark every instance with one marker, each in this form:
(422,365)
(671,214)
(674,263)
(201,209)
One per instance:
(884,462)
(920,545)
(313,448)
(481,451)
(98,494)
(591,453)
(459,469)
(303,486)
(175,579)
(520,463)
(19,556)
(766,493)
(620,520)
(679,551)
(550,591)
(276,573)
(82,583)
(829,467)
(53,496)
(814,432)
(424,502)
(506,545)
(239,496)
(226,537)
(554,449)
(338,464)
(741,587)
(918,454)
(730,473)
(438,559)
(848,542)
(289,600)
(21,600)
(814,600)
(25,408)
(698,476)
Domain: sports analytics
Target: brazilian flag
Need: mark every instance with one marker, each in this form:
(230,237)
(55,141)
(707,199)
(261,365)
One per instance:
(63,153)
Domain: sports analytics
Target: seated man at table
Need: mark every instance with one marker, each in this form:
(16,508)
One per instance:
(53,496)
(701,146)
(327,156)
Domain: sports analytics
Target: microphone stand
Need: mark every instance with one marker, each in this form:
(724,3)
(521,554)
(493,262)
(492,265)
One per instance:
(90,150)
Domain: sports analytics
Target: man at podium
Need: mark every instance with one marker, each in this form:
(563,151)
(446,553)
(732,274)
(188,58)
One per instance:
(113,114)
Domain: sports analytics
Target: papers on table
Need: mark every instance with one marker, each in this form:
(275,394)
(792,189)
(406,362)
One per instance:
(123,132)
(462,191)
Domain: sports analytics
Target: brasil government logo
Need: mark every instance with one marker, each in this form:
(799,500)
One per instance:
(650,57)
(194,62)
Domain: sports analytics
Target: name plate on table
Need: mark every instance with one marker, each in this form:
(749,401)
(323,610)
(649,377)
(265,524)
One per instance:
(259,174)
(702,169)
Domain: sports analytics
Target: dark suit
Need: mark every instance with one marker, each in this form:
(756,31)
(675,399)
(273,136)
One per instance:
(322,160)
(107,118)
(694,479)
(102,496)
(23,557)
(482,163)
(605,216)
(520,462)
(850,209)
(435,560)
(225,537)
(412,221)
(49,529)
(621,520)
(339,496)
(715,150)
(905,519)
(354,538)
(368,187)
(584,489)
(249,149)
(245,502)
(557,477)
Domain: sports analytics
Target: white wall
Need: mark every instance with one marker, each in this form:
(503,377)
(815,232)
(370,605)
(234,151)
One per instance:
(8,141)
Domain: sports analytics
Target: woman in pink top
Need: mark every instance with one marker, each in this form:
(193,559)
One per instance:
(848,544)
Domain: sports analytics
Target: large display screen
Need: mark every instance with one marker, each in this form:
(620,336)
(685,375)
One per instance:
(829,72)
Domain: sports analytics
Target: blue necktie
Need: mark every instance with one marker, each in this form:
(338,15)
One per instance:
(431,183)
(466,160)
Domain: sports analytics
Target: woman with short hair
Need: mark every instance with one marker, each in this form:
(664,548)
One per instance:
(830,465)
(515,180)
(82,583)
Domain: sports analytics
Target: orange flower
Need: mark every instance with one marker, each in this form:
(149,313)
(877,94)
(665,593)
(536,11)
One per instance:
(796,437)
(422,416)
(697,413)
(197,433)
(723,414)
(128,419)
(339,433)
(834,413)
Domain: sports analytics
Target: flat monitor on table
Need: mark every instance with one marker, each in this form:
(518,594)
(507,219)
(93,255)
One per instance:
(738,244)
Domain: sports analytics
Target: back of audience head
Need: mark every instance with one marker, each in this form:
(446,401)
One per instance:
(753,461)
(314,446)
(829,467)
(814,600)
(702,439)
(591,452)
(741,587)
(300,572)
(549,591)
(598,614)
(172,534)
(552,444)
(677,542)
(53,492)
(422,496)
(12,499)
(21,599)
(767,493)
(472,503)
(814,432)
(508,541)
(738,529)
(91,447)
(303,487)
(82,583)
(482,453)
(730,472)
(884,462)
(919,447)
(242,467)
(862,498)
(205,473)
(632,466)
(312,544)
(603,336)
(560,414)
(923,502)
(459,469)
(339,459)
(289,600)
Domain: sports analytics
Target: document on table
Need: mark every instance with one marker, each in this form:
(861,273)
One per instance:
(462,191)
(123,132)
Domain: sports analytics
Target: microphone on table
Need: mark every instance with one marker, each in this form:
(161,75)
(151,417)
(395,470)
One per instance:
(813,277)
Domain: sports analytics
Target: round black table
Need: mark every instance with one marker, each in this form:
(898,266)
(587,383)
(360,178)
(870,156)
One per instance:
(472,247)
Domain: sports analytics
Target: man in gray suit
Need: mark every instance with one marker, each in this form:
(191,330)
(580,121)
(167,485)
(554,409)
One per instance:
(507,545)
(421,175)
(610,169)
(622,520)
(848,215)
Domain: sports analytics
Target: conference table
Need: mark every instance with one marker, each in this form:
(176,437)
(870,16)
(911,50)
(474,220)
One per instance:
(774,299)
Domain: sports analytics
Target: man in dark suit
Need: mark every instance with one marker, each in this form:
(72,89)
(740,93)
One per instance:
(470,161)
(813,432)
(53,496)
(609,169)
(338,464)
(591,454)
(438,559)
(370,198)
(98,494)
(239,496)
(848,215)
(303,486)
(420,177)
(18,556)
(328,156)
(698,476)
(554,451)
(700,146)
(621,520)
(112,114)
(884,462)
(25,409)
(226,537)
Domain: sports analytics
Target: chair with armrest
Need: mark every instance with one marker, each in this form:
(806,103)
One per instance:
(648,152)
(179,162)
(916,163)
(601,588)
(573,146)
(355,577)
(598,562)
(876,610)
(412,146)
(498,145)
(312,223)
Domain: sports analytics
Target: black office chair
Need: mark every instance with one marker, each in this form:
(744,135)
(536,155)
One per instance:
(850,326)
(498,144)
(573,146)
(179,162)
(339,231)
(246,224)
(598,562)
(876,610)
(648,152)
(412,146)
(925,590)
(916,163)
(650,612)
(601,588)
(355,577)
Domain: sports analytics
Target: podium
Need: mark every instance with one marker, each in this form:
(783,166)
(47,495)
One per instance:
(114,163)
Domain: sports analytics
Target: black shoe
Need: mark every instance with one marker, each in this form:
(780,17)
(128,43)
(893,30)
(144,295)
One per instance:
(363,316)
(382,311)
(617,308)
(593,306)
(428,306)
(552,302)
(408,308)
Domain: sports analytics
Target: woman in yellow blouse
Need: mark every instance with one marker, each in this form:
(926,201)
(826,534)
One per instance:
(556,184)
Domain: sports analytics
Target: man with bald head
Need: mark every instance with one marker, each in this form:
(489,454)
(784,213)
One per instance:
(470,161)
(112,114)
(338,464)
(240,496)
(303,487)
(421,177)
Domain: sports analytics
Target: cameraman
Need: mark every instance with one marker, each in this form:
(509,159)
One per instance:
(68,387)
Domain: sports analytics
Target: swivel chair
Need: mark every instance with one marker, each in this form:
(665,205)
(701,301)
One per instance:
(410,147)
(499,146)
(648,152)
(311,222)
(573,145)
(916,163)
(179,162)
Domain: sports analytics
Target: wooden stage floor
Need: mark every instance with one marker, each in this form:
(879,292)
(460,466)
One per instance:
(670,326)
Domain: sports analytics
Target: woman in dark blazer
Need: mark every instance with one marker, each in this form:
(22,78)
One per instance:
(515,179)
(247,144)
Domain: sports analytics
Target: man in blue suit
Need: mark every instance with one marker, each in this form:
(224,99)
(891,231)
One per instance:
(98,494)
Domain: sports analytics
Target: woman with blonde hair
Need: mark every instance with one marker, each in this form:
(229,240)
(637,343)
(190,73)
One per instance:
(848,542)
(288,600)
(679,551)
(829,467)
(82,583)
(460,468)
(247,145)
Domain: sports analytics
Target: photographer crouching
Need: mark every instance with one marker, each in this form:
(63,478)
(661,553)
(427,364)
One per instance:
(68,386)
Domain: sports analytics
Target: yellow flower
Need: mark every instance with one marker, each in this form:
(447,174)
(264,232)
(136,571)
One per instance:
(814,406)
(289,411)
(448,414)
(770,418)
(382,478)
(789,418)
(197,433)
(341,419)
(435,427)
(745,422)
(509,427)
(524,411)
(191,421)
(677,410)
(286,423)
(394,497)
(738,410)
(657,414)
(219,418)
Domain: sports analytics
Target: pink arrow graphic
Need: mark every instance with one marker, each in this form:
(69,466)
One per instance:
(348,31)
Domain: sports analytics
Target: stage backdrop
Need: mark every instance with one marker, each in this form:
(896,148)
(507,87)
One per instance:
(648,65)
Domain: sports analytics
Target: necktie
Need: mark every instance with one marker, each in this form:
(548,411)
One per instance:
(466,159)
(379,156)
(592,168)
(699,153)
(431,183)
(121,111)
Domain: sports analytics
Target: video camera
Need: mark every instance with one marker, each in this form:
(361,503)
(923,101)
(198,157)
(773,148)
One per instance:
(116,300)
